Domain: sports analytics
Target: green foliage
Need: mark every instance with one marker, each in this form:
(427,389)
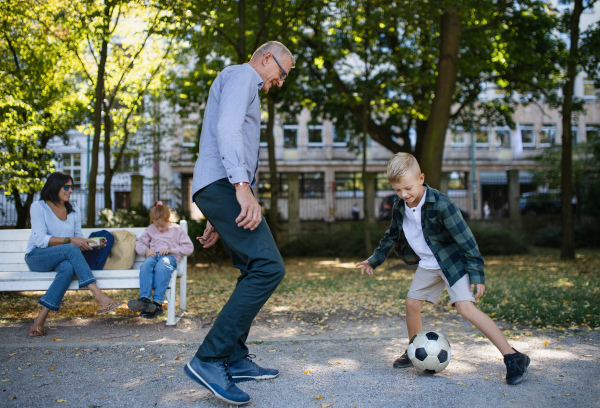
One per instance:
(586,236)
(340,243)
(138,216)
(498,241)
(38,94)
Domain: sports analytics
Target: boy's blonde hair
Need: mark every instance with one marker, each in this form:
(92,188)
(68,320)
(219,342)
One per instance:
(402,165)
(160,212)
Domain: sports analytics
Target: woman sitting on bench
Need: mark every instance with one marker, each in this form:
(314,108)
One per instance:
(55,244)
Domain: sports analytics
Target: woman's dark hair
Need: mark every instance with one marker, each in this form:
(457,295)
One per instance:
(55,182)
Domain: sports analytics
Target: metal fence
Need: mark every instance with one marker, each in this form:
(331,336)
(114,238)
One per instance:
(120,194)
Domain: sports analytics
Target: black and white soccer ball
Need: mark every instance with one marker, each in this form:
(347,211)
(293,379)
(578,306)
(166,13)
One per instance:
(429,351)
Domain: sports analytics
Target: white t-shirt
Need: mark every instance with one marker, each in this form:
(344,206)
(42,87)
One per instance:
(413,231)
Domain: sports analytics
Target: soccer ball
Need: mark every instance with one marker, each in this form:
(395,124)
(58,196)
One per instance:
(429,351)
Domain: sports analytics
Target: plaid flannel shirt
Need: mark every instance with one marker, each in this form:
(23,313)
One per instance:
(446,233)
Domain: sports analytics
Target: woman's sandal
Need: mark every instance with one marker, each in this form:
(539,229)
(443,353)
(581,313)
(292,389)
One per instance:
(37,331)
(110,307)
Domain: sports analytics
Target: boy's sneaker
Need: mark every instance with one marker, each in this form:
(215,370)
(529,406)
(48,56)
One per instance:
(403,361)
(245,369)
(216,377)
(142,304)
(158,310)
(516,367)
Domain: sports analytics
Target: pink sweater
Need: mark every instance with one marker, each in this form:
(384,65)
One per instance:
(173,238)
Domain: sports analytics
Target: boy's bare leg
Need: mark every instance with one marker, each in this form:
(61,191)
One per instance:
(414,324)
(483,323)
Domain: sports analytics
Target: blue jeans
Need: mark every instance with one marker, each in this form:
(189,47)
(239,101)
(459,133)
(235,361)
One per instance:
(156,272)
(66,260)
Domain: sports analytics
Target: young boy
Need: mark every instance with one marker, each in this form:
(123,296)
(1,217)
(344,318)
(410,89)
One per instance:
(427,228)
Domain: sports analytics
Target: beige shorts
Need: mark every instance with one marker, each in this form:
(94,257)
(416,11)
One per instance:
(428,285)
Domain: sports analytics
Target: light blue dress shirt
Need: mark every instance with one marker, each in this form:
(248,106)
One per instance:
(230,138)
(45,225)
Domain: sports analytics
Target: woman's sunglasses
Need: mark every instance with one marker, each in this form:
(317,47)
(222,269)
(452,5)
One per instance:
(68,187)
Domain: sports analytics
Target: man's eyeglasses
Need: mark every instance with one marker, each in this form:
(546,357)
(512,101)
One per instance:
(284,75)
(68,187)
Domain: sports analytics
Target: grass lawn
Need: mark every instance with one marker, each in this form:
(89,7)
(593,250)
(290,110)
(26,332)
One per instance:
(533,290)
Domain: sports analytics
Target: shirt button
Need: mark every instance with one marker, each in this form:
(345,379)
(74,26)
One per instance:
(230,176)
(223,158)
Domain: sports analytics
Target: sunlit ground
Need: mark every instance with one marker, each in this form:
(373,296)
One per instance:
(538,290)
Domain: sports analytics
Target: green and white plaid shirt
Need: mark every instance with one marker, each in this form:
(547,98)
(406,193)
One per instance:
(446,233)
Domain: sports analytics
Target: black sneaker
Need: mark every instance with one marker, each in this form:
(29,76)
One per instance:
(142,304)
(151,315)
(403,361)
(516,367)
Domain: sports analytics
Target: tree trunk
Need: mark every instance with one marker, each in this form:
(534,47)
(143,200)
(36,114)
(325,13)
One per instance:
(366,111)
(432,151)
(567,251)
(22,208)
(99,98)
(274,211)
(108,173)
(242,32)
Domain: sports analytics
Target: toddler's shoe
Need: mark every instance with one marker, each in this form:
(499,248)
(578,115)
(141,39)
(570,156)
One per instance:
(403,361)
(516,367)
(151,315)
(245,369)
(142,304)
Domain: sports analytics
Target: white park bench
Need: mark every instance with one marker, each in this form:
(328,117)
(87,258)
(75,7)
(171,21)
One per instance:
(15,276)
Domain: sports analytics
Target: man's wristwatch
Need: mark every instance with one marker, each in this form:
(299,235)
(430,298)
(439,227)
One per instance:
(67,240)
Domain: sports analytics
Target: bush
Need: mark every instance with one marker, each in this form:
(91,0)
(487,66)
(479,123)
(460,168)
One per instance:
(349,242)
(498,241)
(585,237)
(138,216)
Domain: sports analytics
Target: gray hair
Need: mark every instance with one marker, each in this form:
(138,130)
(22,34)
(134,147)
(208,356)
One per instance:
(276,48)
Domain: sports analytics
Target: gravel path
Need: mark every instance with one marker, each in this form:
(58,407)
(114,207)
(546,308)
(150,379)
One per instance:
(339,362)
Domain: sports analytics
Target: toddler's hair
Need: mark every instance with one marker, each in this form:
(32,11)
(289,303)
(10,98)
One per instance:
(160,211)
(402,165)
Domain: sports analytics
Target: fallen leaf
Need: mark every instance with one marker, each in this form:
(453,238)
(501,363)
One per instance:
(486,378)
(319,397)
(306,372)
(461,383)
(36,375)
(51,368)
(568,395)
(57,339)
(326,404)
(61,400)
(137,335)
(177,358)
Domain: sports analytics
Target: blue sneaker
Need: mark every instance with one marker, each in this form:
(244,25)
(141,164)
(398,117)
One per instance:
(245,369)
(217,379)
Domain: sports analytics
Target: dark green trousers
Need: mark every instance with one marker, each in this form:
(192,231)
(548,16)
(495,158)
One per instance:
(261,267)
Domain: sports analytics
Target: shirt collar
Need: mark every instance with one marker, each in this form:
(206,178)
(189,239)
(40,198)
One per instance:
(258,77)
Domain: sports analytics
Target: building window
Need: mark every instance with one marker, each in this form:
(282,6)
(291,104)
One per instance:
(502,138)
(264,185)
(122,200)
(71,164)
(589,91)
(482,138)
(574,134)
(290,136)
(547,135)
(592,132)
(340,139)
(348,184)
(459,138)
(315,135)
(312,185)
(263,135)
(130,162)
(188,135)
(527,136)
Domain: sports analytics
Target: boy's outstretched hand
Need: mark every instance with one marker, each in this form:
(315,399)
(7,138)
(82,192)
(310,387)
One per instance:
(365,266)
(480,290)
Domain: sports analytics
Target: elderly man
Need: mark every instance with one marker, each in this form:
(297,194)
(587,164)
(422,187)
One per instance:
(224,176)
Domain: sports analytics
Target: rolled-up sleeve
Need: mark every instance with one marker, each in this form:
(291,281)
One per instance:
(41,238)
(235,97)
